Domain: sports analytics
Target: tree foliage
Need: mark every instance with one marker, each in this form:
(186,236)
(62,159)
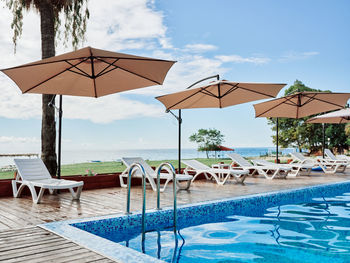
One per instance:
(347,133)
(299,134)
(75,14)
(207,140)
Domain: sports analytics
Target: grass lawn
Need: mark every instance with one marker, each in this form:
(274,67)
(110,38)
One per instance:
(110,167)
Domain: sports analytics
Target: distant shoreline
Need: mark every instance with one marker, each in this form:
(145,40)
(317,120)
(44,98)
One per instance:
(85,156)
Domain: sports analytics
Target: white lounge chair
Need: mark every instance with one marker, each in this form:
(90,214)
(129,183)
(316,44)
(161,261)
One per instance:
(332,158)
(276,171)
(151,175)
(297,169)
(326,165)
(33,173)
(343,157)
(219,175)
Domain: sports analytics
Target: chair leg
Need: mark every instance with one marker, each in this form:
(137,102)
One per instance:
(240,178)
(186,187)
(53,191)
(121,179)
(76,194)
(217,179)
(37,200)
(17,191)
(261,171)
(162,189)
(195,176)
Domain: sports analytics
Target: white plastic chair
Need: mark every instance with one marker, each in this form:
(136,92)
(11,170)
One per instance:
(33,173)
(296,169)
(327,166)
(332,158)
(151,175)
(219,175)
(276,171)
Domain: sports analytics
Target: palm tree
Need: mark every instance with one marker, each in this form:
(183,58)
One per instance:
(76,14)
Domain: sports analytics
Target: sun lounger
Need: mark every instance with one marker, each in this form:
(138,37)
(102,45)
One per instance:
(327,166)
(296,169)
(332,158)
(343,157)
(276,171)
(151,175)
(219,175)
(33,173)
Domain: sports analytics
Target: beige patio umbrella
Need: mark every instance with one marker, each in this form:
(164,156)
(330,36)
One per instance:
(336,117)
(217,94)
(220,94)
(299,105)
(88,72)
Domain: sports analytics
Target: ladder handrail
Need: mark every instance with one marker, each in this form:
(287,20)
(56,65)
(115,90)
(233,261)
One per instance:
(130,173)
(172,170)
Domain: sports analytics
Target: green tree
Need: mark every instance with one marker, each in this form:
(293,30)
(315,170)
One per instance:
(207,140)
(347,133)
(75,14)
(299,134)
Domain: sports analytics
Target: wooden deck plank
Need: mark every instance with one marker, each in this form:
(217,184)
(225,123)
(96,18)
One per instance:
(38,245)
(83,256)
(48,256)
(23,243)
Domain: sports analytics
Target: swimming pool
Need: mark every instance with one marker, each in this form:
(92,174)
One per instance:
(303,225)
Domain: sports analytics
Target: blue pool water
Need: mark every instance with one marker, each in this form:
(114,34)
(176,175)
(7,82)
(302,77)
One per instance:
(309,224)
(317,231)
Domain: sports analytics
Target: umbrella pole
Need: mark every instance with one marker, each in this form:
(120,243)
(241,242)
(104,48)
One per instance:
(179,153)
(59,138)
(276,140)
(323,139)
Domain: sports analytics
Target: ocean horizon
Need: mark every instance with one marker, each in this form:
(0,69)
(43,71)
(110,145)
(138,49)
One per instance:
(82,156)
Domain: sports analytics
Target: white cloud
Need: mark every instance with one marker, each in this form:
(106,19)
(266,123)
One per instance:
(187,70)
(126,24)
(15,105)
(200,47)
(113,25)
(293,55)
(108,109)
(240,59)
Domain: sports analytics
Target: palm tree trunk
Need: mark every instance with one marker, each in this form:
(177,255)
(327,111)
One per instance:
(48,125)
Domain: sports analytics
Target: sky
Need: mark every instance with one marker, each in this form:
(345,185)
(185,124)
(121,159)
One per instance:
(242,40)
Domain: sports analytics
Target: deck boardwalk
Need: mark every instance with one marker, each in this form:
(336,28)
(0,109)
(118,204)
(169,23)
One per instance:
(22,241)
(38,245)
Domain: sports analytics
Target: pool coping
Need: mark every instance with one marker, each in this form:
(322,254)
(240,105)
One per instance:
(120,253)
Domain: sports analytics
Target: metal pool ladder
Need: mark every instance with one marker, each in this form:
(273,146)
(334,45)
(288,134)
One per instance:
(172,170)
(139,167)
(131,169)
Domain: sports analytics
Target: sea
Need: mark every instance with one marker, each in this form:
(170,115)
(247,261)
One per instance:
(82,156)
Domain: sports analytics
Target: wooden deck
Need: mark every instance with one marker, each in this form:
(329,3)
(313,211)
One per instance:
(37,245)
(19,216)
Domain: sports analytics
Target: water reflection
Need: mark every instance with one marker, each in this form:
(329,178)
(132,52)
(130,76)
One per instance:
(318,231)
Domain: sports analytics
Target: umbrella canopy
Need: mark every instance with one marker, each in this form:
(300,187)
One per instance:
(220,94)
(225,149)
(89,72)
(301,104)
(337,117)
